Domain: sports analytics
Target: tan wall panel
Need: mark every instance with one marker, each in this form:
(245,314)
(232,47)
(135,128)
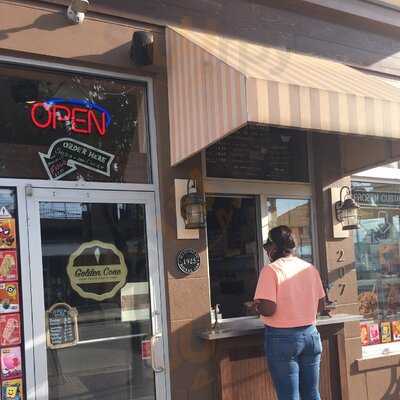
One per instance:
(191,358)
(46,31)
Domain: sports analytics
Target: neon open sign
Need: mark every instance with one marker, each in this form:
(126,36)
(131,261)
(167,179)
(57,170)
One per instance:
(81,116)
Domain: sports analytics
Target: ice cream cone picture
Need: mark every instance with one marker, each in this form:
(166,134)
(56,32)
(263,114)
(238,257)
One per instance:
(8,266)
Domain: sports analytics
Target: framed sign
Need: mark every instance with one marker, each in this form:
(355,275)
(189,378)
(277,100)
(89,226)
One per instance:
(61,326)
(188,261)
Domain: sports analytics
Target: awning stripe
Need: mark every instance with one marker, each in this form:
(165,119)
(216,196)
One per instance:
(217,85)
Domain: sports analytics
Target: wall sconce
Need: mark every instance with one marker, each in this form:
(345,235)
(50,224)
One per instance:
(142,48)
(193,207)
(347,210)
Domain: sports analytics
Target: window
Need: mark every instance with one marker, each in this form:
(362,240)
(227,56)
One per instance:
(233,251)
(234,244)
(295,213)
(377,255)
(72,126)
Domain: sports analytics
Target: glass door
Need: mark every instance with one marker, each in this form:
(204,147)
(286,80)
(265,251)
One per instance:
(95,289)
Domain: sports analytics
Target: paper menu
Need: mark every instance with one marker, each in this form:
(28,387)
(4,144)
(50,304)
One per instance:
(12,389)
(11,363)
(8,266)
(9,297)
(10,329)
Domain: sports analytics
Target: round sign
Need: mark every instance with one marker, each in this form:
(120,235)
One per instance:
(188,261)
(97,270)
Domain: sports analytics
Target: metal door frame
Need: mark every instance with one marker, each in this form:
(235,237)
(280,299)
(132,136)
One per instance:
(32,282)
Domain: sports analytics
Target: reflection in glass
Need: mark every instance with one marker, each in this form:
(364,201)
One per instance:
(107,362)
(377,251)
(295,213)
(233,253)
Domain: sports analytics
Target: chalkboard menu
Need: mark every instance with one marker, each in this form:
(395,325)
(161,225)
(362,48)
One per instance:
(62,326)
(260,153)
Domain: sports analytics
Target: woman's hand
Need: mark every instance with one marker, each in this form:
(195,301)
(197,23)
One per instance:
(266,308)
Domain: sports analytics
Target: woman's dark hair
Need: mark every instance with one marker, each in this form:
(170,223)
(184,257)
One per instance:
(282,237)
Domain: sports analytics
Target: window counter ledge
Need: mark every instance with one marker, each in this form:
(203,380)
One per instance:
(377,362)
(254,326)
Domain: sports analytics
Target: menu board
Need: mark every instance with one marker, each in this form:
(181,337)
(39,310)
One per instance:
(260,153)
(62,326)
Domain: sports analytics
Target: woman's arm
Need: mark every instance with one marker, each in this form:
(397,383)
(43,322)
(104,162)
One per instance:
(266,308)
(321,305)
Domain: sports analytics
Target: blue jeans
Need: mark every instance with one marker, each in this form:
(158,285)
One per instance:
(294,356)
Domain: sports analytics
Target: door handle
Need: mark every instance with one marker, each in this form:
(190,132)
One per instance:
(153,341)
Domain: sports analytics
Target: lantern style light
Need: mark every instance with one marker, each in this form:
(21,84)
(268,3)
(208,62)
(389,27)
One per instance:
(347,210)
(193,207)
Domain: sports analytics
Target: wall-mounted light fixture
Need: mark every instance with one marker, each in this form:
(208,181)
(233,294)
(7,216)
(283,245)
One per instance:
(347,210)
(193,207)
(142,48)
(77,10)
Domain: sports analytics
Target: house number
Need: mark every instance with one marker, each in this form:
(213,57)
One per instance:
(340,254)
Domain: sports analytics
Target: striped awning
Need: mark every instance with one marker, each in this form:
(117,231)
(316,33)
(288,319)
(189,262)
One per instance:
(218,84)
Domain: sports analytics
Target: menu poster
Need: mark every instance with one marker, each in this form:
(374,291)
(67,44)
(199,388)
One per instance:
(386,334)
(374,334)
(9,298)
(10,329)
(396,330)
(11,364)
(364,334)
(12,389)
(260,153)
(62,326)
(8,266)
(7,233)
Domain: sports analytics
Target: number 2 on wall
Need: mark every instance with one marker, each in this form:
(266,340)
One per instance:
(340,254)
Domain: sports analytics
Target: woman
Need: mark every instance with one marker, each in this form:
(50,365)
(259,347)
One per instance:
(288,296)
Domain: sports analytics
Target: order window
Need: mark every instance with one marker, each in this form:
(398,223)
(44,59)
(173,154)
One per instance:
(235,245)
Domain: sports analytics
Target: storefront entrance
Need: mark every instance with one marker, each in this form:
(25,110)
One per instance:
(92,327)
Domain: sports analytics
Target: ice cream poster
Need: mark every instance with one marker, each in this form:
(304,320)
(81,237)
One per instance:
(7,233)
(396,330)
(11,363)
(8,266)
(10,329)
(374,337)
(9,298)
(11,389)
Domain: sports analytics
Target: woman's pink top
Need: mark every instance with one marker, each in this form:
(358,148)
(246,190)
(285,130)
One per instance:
(295,286)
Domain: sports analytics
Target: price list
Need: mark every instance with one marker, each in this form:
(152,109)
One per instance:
(61,326)
(260,153)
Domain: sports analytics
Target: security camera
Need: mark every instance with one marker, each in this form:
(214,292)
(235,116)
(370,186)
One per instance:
(77,10)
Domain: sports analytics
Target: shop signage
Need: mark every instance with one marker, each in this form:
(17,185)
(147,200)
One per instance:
(97,270)
(377,199)
(61,326)
(188,261)
(66,154)
(82,116)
